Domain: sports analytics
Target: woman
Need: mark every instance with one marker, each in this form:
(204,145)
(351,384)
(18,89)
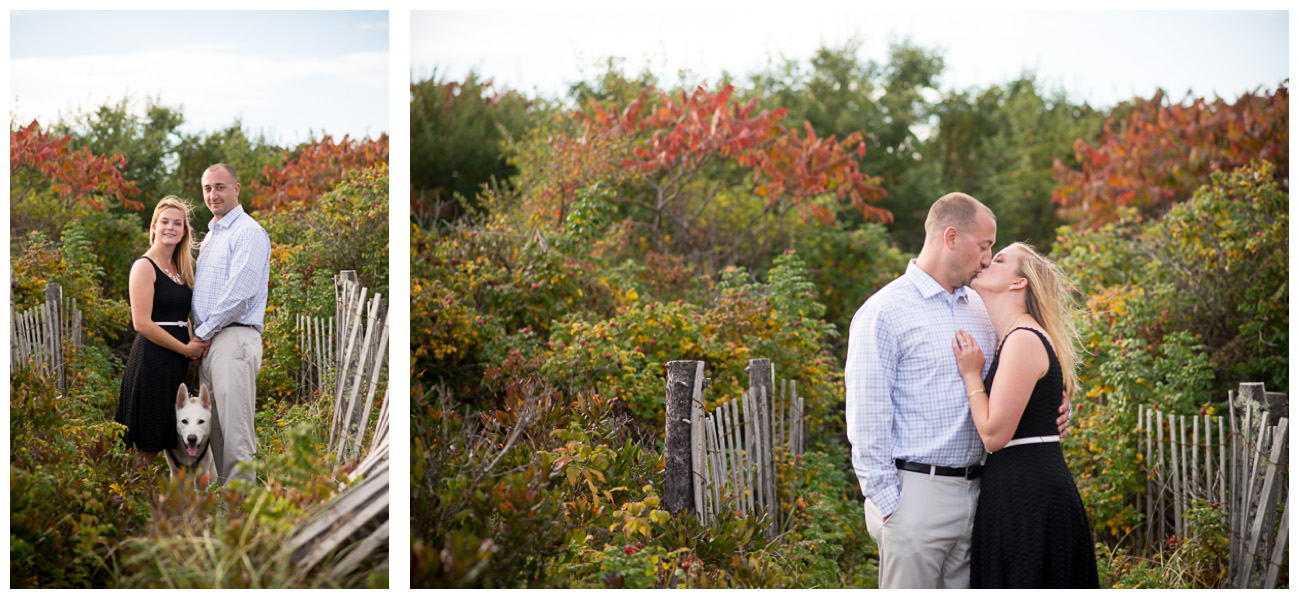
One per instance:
(1030,526)
(160,287)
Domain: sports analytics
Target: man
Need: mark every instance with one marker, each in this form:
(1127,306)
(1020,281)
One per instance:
(230,287)
(915,449)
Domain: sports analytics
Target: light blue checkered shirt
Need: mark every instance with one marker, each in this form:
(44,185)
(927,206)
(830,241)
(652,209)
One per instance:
(904,396)
(230,280)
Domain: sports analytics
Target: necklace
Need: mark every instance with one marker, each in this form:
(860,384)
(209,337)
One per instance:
(1007,331)
(172,276)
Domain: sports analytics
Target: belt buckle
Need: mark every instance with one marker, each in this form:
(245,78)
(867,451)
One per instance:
(972,471)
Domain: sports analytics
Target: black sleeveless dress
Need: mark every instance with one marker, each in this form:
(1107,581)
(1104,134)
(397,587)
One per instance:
(1031,530)
(147,401)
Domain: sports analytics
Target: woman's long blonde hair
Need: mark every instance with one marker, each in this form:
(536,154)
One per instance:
(1048,302)
(183,255)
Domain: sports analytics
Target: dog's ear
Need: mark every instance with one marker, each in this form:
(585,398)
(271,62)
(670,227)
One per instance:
(182,396)
(205,396)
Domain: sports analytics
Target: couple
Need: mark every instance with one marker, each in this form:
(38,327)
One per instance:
(227,296)
(921,415)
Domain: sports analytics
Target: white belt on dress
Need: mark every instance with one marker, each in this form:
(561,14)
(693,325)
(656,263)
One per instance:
(1033,440)
(172,323)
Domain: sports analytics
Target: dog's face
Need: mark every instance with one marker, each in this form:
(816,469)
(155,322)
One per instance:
(193,418)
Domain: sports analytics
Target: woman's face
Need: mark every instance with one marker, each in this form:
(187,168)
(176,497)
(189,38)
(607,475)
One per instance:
(1000,274)
(169,229)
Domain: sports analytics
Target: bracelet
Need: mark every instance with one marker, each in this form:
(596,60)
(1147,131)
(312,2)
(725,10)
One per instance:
(973,392)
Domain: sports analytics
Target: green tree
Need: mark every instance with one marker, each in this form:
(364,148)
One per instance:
(249,155)
(149,141)
(998,144)
(456,133)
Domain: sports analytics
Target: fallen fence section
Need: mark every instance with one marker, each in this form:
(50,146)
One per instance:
(355,524)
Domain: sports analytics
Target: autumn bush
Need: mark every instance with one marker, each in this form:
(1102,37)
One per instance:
(538,351)
(1154,153)
(311,242)
(1178,311)
(544,493)
(71,487)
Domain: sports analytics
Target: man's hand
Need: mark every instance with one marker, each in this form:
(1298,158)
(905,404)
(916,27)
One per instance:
(1063,421)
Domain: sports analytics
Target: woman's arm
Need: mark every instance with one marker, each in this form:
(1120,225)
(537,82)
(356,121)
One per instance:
(997,413)
(140,287)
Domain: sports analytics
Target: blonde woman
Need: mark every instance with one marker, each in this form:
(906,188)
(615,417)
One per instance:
(1031,529)
(160,287)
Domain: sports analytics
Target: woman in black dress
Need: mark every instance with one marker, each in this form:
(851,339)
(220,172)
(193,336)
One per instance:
(160,287)
(1031,530)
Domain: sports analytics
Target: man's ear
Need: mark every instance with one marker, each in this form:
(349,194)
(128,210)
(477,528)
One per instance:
(950,234)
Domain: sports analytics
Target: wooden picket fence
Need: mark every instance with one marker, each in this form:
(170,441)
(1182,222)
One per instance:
(1239,462)
(361,365)
(318,350)
(353,368)
(734,448)
(44,334)
(1186,457)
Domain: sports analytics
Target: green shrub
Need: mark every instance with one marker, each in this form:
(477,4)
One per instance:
(1198,562)
(73,489)
(1178,312)
(73,264)
(345,229)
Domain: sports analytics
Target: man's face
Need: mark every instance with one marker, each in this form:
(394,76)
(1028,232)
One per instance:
(220,192)
(973,249)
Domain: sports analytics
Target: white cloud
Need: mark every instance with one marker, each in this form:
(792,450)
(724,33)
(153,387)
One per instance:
(216,83)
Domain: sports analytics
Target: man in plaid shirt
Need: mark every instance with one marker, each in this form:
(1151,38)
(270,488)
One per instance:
(230,287)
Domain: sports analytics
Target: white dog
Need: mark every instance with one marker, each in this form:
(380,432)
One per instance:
(194,429)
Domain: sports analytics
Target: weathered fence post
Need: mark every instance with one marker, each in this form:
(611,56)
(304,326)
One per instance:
(763,394)
(684,382)
(54,304)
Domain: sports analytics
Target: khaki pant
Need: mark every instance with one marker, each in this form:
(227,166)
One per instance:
(926,542)
(230,371)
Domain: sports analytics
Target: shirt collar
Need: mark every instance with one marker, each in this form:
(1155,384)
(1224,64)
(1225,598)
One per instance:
(227,221)
(927,286)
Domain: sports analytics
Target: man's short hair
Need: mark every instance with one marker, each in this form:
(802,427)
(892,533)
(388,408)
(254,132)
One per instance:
(954,210)
(234,177)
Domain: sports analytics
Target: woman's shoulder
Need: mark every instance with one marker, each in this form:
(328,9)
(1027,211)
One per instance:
(143,267)
(1026,347)
(1044,339)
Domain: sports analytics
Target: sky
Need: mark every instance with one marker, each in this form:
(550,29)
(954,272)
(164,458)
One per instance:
(292,76)
(1101,58)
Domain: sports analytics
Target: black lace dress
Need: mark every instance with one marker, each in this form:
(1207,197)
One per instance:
(147,402)
(1031,530)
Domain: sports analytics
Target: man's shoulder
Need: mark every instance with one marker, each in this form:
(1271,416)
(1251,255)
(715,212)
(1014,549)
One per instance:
(247,226)
(897,293)
(893,297)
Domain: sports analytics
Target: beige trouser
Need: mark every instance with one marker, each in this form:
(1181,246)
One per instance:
(230,371)
(926,542)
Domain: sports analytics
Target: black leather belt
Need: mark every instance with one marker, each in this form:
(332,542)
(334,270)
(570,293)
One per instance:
(240,325)
(970,472)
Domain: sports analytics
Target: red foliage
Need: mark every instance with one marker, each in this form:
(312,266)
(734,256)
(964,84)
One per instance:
(76,176)
(1160,154)
(313,169)
(687,131)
